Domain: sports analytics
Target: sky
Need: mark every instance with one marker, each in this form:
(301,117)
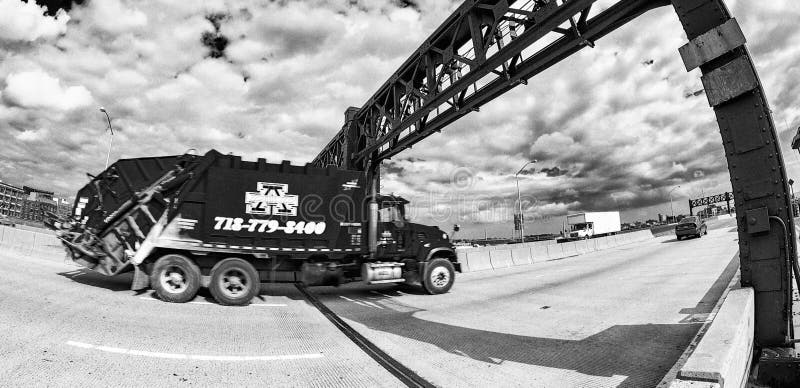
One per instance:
(615,127)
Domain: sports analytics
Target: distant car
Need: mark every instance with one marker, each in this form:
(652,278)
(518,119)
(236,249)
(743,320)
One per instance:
(690,226)
(4,220)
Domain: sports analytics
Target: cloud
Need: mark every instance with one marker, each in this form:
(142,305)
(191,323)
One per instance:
(612,127)
(27,22)
(39,90)
(114,16)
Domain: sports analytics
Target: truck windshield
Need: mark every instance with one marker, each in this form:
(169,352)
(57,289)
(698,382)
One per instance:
(390,214)
(580,226)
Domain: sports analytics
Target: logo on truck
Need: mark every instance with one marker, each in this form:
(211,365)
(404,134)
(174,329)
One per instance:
(271,199)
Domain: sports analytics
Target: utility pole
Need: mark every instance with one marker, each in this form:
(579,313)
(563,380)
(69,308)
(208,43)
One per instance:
(672,210)
(111,139)
(519,200)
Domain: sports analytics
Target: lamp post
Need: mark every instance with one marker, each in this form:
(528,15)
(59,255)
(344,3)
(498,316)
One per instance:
(519,200)
(111,139)
(672,210)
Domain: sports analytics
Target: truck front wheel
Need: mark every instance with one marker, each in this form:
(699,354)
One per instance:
(234,282)
(175,278)
(439,276)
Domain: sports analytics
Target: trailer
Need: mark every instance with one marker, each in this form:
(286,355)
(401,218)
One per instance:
(591,225)
(182,222)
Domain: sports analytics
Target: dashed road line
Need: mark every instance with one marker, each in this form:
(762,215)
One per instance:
(372,304)
(199,357)
(381,294)
(354,301)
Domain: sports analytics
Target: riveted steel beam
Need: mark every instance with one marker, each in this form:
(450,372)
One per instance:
(756,166)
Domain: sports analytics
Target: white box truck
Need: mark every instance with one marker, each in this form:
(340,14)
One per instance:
(592,224)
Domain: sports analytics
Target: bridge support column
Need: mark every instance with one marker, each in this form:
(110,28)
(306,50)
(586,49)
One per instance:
(760,190)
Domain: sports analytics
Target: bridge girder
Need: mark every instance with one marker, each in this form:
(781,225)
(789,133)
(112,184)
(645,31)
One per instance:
(488,47)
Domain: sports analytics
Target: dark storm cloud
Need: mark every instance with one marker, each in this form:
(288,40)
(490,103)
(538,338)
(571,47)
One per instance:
(554,171)
(215,40)
(54,5)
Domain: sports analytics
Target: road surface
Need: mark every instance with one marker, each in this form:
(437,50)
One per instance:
(619,317)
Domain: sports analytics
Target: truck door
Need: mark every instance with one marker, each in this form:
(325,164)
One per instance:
(393,229)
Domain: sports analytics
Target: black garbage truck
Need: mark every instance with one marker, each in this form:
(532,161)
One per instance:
(214,220)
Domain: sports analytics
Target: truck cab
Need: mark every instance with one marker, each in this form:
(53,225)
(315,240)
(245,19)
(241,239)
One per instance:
(399,238)
(582,230)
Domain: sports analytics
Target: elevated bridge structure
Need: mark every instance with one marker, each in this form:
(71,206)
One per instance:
(488,47)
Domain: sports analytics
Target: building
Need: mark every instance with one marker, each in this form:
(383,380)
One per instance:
(11,198)
(37,203)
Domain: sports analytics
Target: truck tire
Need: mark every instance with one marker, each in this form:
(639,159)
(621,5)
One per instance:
(439,276)
(234,282)
(175,278)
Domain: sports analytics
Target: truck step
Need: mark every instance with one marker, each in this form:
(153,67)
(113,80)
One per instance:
(387,281)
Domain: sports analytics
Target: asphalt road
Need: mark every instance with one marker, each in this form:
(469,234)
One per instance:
(619,317)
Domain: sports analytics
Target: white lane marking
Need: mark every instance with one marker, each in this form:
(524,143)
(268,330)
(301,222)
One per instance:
(201,357)
(354,301)
(373,304)
(381,294)
(200,302)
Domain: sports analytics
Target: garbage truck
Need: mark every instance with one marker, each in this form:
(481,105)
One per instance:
(217,221)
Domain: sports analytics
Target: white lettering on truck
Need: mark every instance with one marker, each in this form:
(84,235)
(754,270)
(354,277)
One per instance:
(271,199)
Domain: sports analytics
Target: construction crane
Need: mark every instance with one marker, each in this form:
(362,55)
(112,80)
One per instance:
(488,47)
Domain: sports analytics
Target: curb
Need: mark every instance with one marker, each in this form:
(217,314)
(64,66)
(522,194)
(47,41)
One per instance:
(720,355)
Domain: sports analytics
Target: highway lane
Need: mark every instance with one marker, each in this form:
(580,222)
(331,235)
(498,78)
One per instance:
(620,317)
(617,317)
(67,327)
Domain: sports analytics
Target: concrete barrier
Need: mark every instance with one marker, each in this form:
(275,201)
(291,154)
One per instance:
(569,248)
(539,252)
(461,256)
(601,243)
(500,258)
(722,357)
(504,256)
(521,255)
(555,251)
(583,246)
(27,242)
(478,260)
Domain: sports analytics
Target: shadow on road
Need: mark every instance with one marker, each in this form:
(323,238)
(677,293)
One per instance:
(120,282)
(709,300)
(643,353)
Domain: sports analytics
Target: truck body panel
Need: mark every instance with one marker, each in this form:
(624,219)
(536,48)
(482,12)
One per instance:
(593,224)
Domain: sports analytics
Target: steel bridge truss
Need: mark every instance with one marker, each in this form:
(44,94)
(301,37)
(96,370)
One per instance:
(705,201)
(488,47)
(482,50)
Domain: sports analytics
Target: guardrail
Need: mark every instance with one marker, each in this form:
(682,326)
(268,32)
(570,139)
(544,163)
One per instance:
(504,256)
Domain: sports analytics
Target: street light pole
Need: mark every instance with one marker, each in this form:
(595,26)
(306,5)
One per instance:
(111,139)
(519,201)
(672,210)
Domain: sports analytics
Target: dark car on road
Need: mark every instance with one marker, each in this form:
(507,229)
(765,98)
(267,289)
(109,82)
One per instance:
(5,221)
(691,226)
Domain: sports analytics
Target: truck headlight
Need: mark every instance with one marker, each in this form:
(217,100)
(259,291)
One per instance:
(444,236)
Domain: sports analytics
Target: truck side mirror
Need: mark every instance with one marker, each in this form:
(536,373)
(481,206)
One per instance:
(456,228)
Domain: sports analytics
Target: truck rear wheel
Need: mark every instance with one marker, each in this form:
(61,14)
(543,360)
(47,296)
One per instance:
(234,282)
(439,276)
(175,278)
